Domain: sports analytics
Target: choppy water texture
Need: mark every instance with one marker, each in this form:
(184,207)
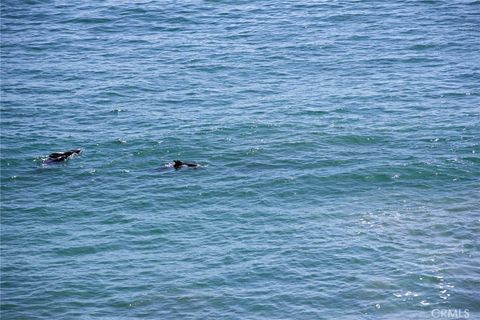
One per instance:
(340,140)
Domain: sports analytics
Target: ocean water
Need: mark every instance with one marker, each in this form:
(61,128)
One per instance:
(339,140)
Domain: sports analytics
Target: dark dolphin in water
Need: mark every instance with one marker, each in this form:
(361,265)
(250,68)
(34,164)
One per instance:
(177,164)
(62,156)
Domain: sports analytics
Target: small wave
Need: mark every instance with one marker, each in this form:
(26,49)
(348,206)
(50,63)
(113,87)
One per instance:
(89,20)
(356,139)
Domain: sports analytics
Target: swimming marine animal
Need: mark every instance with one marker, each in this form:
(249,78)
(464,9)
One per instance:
(177,164)
(62,156)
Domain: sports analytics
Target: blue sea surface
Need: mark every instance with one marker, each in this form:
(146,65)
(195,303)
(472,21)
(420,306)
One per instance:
(339,144)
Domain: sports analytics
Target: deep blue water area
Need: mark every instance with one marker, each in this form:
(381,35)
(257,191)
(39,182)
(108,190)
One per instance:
(339,145)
